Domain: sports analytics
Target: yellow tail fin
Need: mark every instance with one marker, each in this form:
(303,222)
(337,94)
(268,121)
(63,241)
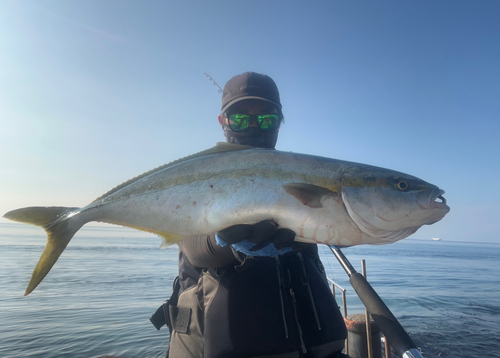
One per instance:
(60,228)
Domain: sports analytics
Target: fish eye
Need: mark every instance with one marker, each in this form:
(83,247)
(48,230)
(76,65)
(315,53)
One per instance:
(402,185)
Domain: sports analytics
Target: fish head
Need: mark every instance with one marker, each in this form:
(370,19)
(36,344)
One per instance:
(390,206)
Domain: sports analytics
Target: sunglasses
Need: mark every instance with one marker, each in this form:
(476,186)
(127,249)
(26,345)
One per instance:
(241,122)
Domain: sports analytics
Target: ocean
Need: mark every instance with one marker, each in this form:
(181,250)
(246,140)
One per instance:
(99,296)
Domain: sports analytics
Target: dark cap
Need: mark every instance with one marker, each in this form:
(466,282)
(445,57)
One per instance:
(250,85)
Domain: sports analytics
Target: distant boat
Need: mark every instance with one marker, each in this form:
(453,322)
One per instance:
(436,239)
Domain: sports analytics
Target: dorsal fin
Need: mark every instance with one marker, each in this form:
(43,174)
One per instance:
(219,148)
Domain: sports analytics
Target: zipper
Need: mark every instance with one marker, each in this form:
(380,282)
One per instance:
(299,328)
(305,282)
(281,285)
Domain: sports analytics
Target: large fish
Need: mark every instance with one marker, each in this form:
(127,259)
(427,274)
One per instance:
(323,200)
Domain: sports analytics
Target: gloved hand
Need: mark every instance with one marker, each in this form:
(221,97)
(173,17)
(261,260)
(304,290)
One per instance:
(256,239)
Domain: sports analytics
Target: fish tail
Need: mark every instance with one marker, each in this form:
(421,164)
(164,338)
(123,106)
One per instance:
(60,228)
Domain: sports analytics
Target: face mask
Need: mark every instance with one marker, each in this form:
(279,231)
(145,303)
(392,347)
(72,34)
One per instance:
(253,136)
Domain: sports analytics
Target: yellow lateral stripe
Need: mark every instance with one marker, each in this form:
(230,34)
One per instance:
(219,148)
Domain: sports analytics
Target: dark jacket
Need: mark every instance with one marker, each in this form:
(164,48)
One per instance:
(251,307)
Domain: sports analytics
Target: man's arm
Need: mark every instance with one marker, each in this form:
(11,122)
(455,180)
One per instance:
(203,252)
(261,239)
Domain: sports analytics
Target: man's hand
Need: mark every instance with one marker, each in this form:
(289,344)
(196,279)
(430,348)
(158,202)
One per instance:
(255,239)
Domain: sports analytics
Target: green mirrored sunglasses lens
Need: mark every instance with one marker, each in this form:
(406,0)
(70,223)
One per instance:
(269,121)
(239,122)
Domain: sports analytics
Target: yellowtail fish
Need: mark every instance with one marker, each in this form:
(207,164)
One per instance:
(323,200)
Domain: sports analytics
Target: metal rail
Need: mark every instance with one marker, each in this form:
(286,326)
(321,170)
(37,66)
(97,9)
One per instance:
(344,305)
(344,309)
(343,290)
(401,342)
(368,318)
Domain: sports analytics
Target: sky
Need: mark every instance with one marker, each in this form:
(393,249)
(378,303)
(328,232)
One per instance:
(93,93)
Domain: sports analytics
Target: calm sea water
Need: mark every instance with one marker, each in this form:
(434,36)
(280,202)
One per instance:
(98,298)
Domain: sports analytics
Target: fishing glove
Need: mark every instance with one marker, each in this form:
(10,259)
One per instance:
(256,240)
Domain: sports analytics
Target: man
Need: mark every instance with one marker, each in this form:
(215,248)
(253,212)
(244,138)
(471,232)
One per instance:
(250,290)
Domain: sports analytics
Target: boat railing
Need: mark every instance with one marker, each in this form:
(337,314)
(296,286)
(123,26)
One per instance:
(343,290)
(335,285)
(401,343)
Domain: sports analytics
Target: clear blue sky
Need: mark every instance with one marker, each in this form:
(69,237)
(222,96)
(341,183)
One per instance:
(93,93)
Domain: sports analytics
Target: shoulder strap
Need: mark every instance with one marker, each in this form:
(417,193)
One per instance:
(176,286)
(162,315)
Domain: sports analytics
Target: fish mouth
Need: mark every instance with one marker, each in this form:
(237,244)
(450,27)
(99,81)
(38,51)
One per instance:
(443,200)
(435,200)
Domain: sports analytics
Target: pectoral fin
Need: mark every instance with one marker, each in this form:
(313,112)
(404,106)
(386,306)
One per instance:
(308,194)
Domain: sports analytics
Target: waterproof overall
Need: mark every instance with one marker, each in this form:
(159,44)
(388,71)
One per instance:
(256,307)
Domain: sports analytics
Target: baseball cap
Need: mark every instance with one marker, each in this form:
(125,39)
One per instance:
(250,85)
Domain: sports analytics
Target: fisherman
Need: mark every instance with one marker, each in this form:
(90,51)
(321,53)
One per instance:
(251,290)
